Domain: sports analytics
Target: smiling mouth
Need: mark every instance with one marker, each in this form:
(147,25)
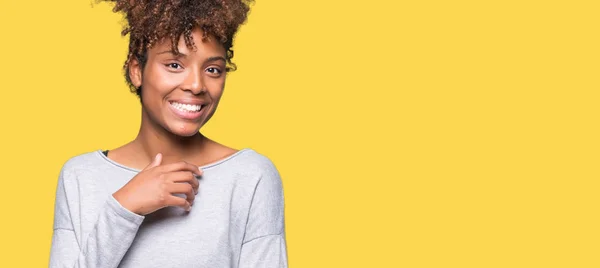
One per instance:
(188,108)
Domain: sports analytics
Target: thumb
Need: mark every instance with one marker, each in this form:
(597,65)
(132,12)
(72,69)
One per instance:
(155,162)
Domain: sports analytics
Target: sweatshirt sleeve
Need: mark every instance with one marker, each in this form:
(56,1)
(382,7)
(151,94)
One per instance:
(106,243)
(264,243)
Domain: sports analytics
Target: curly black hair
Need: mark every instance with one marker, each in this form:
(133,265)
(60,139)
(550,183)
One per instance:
(151,21)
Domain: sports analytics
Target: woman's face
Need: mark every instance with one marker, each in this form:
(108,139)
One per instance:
(181,92)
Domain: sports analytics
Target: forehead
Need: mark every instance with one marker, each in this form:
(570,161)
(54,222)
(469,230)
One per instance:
(209,46)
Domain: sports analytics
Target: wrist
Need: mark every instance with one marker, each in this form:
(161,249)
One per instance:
(123,201)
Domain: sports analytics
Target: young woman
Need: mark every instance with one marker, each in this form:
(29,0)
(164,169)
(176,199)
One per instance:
(172,197)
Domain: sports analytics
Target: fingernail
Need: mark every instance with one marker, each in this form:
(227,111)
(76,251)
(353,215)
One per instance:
(189,208)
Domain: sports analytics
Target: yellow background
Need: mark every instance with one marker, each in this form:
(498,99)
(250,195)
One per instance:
(407,133)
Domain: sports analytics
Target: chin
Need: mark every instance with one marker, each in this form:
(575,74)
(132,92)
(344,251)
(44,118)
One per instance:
(185,131)
(187,134)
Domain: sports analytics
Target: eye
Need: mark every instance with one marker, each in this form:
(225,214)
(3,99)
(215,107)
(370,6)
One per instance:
(174,65)
(213,70)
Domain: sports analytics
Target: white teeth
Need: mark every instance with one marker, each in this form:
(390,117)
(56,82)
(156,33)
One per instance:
(186,107)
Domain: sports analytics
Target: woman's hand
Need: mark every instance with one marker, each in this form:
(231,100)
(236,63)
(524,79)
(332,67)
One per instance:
(153,188)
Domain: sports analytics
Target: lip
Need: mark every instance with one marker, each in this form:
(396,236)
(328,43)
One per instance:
(188,101)
(187,115)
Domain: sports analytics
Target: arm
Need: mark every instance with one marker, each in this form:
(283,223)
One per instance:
(264,243)
(107,242)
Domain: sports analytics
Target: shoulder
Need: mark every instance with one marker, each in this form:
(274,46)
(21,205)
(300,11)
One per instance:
(267,183)
(254,162)
(249,169)
(81,162)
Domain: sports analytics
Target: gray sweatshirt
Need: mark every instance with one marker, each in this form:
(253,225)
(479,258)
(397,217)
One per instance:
(237,219)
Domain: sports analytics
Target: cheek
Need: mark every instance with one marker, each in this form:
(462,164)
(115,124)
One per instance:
(216,88)
(160,81)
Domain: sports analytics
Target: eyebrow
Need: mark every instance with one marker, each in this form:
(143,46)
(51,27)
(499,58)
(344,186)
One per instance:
(179,55)
(172,53)
(216,58)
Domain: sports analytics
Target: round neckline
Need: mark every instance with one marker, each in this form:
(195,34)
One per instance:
(209,165)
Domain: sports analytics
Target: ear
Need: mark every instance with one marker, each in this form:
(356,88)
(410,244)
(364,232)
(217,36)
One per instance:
(135,73)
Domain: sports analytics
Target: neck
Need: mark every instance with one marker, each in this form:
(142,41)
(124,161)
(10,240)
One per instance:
(153,139)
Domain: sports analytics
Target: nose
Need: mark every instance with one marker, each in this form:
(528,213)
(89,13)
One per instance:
(193,82)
